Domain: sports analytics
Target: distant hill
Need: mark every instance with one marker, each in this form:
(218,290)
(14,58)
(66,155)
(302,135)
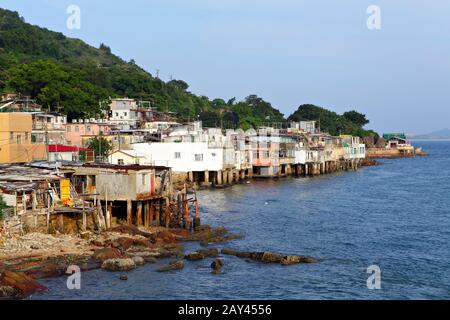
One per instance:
(443,134)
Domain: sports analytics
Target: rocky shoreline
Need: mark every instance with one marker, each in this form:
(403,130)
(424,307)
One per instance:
(26,259)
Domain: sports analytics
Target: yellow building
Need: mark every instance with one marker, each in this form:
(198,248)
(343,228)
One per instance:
(15,139)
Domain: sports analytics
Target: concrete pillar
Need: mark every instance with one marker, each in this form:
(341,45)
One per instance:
(219,177)
(230,177)
(146,214)
(191,176)
(139,214)
(242,174)
(129,212)
(206,177)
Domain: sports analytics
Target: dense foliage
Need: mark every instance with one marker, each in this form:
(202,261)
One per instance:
(351,122)
(101,146)
(67,74)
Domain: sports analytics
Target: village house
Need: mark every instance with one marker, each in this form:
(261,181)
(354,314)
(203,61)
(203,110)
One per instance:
(58,152)
(123,189)
(48,128)
(124,113)
(80,131)
(16,144)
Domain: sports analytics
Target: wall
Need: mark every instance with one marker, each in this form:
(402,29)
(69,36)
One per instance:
(10,150)
(163,154)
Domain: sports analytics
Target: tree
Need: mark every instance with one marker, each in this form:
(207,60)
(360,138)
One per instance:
(3,206)
(101,147)
(180,84)
(357,118)
(54,86)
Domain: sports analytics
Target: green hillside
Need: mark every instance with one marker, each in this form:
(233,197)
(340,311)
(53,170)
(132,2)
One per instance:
(67,74)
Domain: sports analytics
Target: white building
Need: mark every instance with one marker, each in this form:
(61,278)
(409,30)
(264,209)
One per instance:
(124,113)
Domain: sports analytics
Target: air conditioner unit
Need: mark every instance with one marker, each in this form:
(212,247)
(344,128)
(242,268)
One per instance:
(81,121)
(92,120)
(74,121)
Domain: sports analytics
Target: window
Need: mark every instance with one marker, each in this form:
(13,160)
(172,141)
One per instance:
(213,154)
(120,162)
(89,128)
(117,114)
(199,157)
(26,136)
(69,128)
(19,139)
(125,114)
(77,129)
(177,155)
(11,136)
(144,179)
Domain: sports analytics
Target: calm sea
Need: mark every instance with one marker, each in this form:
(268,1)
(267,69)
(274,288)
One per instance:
(395,216)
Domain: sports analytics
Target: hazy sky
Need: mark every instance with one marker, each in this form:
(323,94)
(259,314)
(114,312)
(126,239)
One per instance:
(289,52)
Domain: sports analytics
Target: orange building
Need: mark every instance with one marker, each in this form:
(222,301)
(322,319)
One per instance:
(15,139)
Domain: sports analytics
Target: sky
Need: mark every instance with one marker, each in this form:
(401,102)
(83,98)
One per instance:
(289,52)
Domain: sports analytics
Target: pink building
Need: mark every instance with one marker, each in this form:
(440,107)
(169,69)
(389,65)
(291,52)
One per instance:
(76,131)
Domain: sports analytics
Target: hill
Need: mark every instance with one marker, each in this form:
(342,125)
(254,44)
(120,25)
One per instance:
(443,134)
(63,72)
(67,74)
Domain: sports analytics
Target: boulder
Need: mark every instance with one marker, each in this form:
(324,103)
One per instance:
(194,256)
(119,264)
(216,265)
(19,284)
(106,254)
(270,257)
(174,265)
(165,237)
(138,261)
(131,230)
(149,257)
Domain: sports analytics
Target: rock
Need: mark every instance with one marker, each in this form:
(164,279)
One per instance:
(174,265)
(170,251)
(106,254)
(216,265)
(123,277)
(123,243)
(131,230)
(34,247)
(138,261)
(8,292)
(201,254)
(85,235)
(270,257)
(22,284)
(119,264)
(194,256)
(149,257)
(245,255)
(165,237)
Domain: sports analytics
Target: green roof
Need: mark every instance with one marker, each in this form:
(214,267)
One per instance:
(388,136)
